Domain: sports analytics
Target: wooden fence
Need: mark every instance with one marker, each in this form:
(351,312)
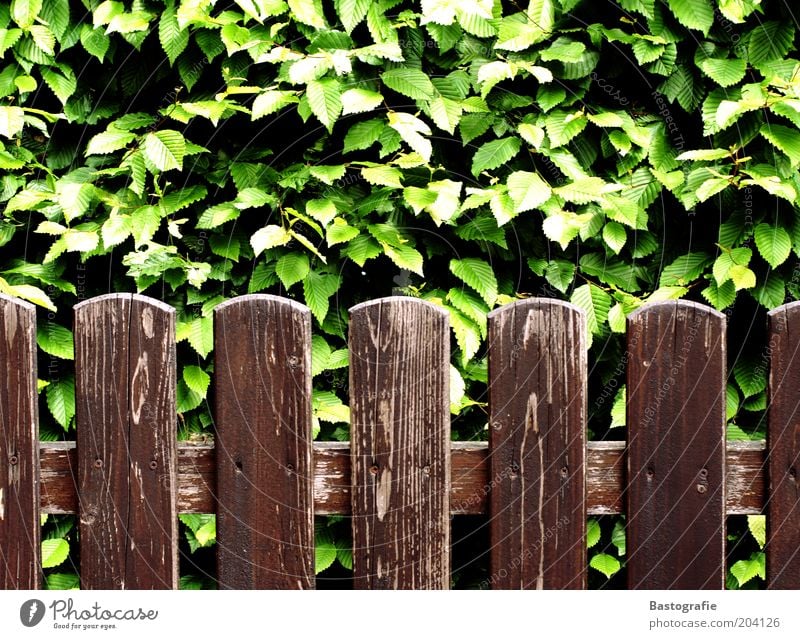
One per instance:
(400,478)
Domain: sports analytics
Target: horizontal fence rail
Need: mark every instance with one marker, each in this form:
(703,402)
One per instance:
(400,478)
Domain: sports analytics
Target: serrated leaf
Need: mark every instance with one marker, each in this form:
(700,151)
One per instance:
(592,533)
(323,210)
(724,72)
(770,293)
(527,190)
(292,268)
(412,130)
(615,235)
(340,231)
(478,275)
(352,12)
(784,139)
(165,149)
(60,395)
(325,100)
(559,273)
(770,41)
(196,379)
(494,154)
(270,102)
(410,82)
(55,340)
(318,288)
(618,408)
(745,570)
(595,302)
(773,242)
(54,552)
(758,528)
(108,142)
(62,81)
(694,14)
(750,375)
(360,101)
(25,12)
(605,564)
(269,237)
(383,176)
(173,39)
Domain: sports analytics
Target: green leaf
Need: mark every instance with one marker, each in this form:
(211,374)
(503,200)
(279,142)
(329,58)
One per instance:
(724,72)
(108,142)
(25,12)
(62,81)
(196,379)
(95,41)
(773,243)
(527,190)
(308,12)
(784,139)
(325,100)
(269,237)
(405,257)
(173,39)
(412,130)
(318,288)
(770,293)
(770,41)
(339,232)
(606,564)
(383,176)
(694,14)
(494,154)
(200,334)
(758,528)
(60,394)
(592,533)
(750,375)
(615,236)
(144,223)
(410,82)
(55,340)
(54,552)
(165,149)
(477,274)
(62,581)
(618,413)
(12,119)
(746,569)
(270,102)
(352,12)
(292,268)
(360,101)
(595,302)
(684,270)
(324,550)
(560,273)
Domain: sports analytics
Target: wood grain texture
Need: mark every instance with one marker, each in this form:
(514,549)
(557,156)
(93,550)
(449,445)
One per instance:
(126,444)
(676,449)
(400,447)
(537,417)
(783,456)
(265,524)
(20,554)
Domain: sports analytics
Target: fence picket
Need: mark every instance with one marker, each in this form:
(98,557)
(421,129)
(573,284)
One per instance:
(20,555)
(126,442)
(265,526)
(783,446)
(400,443)
(537,398)
(676,447)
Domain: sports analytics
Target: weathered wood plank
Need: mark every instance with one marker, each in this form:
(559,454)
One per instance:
(783,449)
(399,401)
(537,417)
(126,445)
(676,448)
(20,555)
(605,464)
(265,524)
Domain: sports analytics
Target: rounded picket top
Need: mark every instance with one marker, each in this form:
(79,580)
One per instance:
(263,420)
(7,301)
(652,309)
(110,300)
(261,300)
(395,304)
(17,317)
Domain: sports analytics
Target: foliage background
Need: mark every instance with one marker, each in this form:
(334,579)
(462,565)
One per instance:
(470,152)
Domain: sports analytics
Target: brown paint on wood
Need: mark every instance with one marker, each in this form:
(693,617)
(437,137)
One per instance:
(126,446)
(265,524)
(537,405)
(20,555)
(399,400)
(605,469)
(676,450)
(783,439)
